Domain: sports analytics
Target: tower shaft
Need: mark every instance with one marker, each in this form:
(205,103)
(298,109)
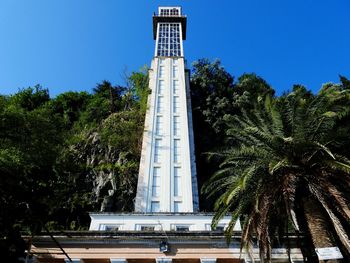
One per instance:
(167,177)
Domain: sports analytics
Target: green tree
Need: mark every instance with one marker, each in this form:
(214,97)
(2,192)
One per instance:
(30,98)
(214,94)
(288,169)
(30,136)
(70,105)
(138,90)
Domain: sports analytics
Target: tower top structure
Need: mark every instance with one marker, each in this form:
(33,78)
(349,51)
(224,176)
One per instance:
(169,14)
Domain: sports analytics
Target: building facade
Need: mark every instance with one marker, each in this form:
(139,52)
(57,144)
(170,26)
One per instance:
(166,225)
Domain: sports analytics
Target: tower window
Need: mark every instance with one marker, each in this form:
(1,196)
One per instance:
(155,207)
(176,105)
(169,42)
(157,146)
(161,87)
(177,150)
(177,206)
(176,125)
(156,182)
(160,105)
(159,125)
(177,181)
(175,71)
(161,71)
(176,87)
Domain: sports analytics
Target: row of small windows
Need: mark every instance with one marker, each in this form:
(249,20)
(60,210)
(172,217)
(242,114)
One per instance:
(169,12)
(158,260)
(151,227)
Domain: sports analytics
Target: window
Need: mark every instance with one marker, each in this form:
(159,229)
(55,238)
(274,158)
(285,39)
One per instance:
(156,182)
(157,146)
(169,12)
(147,228)
(176,150)
(182,228)
(175,71)
(176,87)
(160,105)
(176,125)
(176,105)
(155,206)
(118,260)
(177,206)
(159,125)
(177,181)
(169,43)
(163,40)
(208,260)
(161,87)
(112,228)
(73,260)
(218,228)
(161,71)
(109,227)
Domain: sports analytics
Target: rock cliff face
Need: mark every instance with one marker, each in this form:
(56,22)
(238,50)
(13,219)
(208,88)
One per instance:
(111,158)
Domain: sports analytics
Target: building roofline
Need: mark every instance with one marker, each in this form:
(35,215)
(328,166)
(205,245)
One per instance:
(151,214)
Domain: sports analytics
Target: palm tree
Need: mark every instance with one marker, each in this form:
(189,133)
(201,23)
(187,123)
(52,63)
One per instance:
(287,169)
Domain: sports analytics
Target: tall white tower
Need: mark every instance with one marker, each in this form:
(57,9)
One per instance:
(167,177)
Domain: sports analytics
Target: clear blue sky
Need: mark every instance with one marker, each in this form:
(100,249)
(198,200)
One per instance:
(74,44)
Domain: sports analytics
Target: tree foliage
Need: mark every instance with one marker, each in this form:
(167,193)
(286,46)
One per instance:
(278,160)
(288,169)
(63,157)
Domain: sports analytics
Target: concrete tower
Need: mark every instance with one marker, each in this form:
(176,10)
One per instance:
(167,177)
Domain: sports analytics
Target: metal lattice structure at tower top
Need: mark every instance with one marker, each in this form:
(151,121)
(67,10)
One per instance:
(167,177)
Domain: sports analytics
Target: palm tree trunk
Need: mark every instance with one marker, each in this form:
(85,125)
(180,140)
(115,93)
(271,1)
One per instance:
(318,226)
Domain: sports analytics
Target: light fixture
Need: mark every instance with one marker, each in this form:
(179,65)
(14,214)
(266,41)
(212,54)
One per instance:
(164,247)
